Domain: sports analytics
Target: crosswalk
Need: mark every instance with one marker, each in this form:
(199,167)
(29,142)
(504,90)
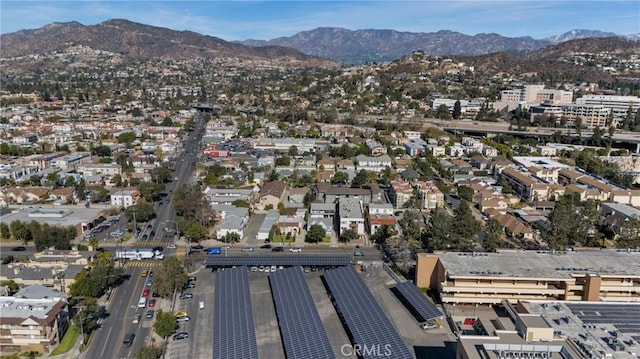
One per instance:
(142,264)
(181,252)
(152,243)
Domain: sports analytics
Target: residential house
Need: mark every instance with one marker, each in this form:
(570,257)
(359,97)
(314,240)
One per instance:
(269,222)
(92,169)
(616,215)
(290,225)
(373,164)
(297,195)
(63,195)
(125,198)
(381,208)
(325,222)
(345,165)
(479,162)
(271,194)
(351,215)
(71,160)
(326,164)
(375,148)
(378,220)
(513,226)
(226,196)
(322,210)
(330,194)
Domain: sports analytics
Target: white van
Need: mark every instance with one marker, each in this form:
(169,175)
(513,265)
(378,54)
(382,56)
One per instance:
(142,302)
(201,305)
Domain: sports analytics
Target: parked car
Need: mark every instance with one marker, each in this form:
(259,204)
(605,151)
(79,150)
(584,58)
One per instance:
(183,319)
(192,279)
(171,246)
(152,303)
(295,250)
(136,319)
(189,285)
(179,336)
(145,273)
(186,296)
(265,246)
(19,249)
(150,313)
(197,247)
(277,249)
(358,254)
(182,314)
(145,292)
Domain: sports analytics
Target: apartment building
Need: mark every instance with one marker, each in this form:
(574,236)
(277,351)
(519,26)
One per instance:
(375,148)
(351,215)
(71,160)
(430,195)
(125,198)
(93,169)
(520,182)
(618,104)
(489,278)
(30,324)
(400,193)
(373,164)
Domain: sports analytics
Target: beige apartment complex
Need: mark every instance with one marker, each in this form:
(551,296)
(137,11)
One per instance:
(489,278)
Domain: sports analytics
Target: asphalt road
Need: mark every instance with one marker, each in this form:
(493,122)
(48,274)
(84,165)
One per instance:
(8,250)
(107,342)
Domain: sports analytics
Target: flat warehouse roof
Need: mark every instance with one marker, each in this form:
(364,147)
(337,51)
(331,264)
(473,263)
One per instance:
(367,324)
(302,332)
(234,333)
(542,264)
(294,259)
(419,304)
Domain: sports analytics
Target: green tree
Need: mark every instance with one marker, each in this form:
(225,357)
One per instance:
(409,225)
(466,228)
(364,177)
(5,232)
(11,285)
(241,203)
(272,233)
(439,232)
(340,178)
(563,228)
(283,161)
(382,234)
(196,231)
(165,323)
(466,193)
(629,236)
(160,175)
(315,234)
(142,211)
(443,112)
(169,277)
(20,231)
(151,191)
(126,137)
(148,352)
(493,235)
(293,151)
(457,110)
(348,235)
(231,237)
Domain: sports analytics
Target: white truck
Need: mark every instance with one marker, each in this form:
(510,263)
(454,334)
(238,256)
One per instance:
(138,254)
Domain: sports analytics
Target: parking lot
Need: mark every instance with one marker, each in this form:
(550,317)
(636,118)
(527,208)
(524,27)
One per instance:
(433,343)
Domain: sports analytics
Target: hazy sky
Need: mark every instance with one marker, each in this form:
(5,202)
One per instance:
(240,20)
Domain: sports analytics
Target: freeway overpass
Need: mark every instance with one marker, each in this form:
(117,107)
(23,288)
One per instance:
(624,138)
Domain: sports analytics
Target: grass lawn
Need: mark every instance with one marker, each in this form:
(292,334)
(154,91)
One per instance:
(283,239)
(68,341)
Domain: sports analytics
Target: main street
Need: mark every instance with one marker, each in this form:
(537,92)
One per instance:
(123,305)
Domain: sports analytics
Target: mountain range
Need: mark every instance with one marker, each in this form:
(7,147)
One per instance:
(141,41)
(348,46)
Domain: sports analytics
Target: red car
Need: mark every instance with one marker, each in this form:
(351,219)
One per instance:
(145,293)
(152,303)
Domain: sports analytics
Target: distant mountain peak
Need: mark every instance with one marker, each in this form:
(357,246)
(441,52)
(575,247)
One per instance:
(576,34)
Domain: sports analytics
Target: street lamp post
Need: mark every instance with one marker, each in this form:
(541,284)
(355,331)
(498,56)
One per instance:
(82,328)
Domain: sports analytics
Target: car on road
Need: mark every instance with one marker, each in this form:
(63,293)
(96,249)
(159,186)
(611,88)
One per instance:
(159,248)
(145,273)
(192,279)
(265,246)
(277,249)
(136,318)
(150,313)
(152,303)
(197,247)
(19,249)
(183,319)
(144,238)
(295,250)
(181,335)
(145,292)
(171,246)
(358,254)
(247,249)
(186,296)
(149,282)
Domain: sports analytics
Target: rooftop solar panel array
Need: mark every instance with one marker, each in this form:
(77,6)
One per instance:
(218,260)
(234,335)
(419,304)
(367,325)
(625,317)
(301,329)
